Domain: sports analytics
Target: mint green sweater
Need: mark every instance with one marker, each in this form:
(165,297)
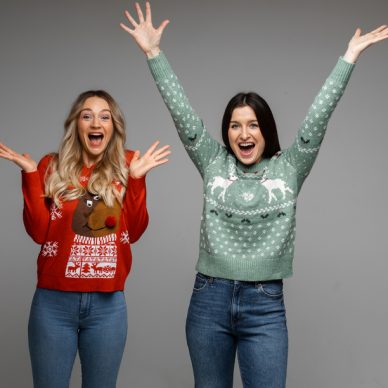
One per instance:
(248,220)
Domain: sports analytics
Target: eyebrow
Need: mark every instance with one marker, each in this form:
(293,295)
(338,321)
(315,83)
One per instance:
(250,121)
(90,110)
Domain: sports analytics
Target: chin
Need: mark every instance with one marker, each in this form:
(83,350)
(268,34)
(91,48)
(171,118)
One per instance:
(250,160)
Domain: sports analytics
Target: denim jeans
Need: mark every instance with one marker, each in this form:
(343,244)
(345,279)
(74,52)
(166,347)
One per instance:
(94,323)
(229,316)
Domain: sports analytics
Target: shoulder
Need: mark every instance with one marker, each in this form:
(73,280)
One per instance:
(45,161)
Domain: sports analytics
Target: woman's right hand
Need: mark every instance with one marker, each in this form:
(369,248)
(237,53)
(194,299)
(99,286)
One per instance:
(24,161)
(146,36)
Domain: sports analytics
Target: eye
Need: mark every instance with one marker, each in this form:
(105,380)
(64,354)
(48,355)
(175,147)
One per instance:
(96,198)
(234,126)
(254,125)
(105,118)
(86,116)
(89,203)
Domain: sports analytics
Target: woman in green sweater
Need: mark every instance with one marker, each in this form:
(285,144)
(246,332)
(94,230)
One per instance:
(248,222)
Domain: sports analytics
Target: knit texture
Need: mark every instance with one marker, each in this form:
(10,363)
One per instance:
(248,221)
(85,245)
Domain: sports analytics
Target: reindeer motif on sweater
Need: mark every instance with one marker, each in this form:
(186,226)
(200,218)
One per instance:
(94,251)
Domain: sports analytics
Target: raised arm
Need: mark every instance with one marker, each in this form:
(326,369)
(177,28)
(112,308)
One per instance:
(304,150)
(201,147)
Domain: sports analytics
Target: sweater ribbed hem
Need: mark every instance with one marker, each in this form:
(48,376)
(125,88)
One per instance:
(85,285)
(248,270)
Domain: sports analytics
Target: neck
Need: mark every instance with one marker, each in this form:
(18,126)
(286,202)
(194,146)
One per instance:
(90,160)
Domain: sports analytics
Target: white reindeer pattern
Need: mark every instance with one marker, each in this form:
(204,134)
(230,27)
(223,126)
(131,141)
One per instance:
(272,184)
(223,183)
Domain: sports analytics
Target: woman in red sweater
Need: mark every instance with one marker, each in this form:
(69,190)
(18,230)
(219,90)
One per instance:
(84,205)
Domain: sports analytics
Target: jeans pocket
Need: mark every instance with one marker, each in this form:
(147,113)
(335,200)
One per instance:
(273,289)
(200,282)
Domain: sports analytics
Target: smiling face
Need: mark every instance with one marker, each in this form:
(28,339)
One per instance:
(95,129)
(245,138)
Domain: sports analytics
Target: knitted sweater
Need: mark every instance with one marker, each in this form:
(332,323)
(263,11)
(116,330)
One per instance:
(248,222)
(85,244)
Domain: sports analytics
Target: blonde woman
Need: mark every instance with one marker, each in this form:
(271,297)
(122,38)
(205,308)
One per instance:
(84,205)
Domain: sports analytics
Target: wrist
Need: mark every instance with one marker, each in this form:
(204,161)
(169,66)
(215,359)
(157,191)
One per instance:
(136,177)
(152,53)
(29,169)
(351,56)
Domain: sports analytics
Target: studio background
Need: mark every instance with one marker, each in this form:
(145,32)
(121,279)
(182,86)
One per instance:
(336,302)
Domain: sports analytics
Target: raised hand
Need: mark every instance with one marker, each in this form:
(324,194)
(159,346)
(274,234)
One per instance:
(145,34)
(24,161)
(140,165)
(359,42)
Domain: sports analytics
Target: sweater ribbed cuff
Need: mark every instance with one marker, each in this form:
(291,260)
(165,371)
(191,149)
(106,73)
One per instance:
(342,71)
(159,66)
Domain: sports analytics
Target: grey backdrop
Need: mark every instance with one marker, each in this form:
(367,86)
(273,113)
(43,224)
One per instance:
(336,301)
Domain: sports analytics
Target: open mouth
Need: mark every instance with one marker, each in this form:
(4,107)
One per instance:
(95,138)
(246,148)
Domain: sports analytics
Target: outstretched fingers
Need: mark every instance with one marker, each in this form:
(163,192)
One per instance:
(125,28)
(148,12)
(139,13)
(6,152)
(131,19)
(381,35)
(152,148)
(162,26)
(162,156)
(157,156)
(379,29)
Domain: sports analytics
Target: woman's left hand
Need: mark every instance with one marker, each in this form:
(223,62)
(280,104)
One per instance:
(359,42)
(140,165)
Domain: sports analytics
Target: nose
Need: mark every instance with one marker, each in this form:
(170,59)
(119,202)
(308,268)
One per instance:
(244,132)
(95,122)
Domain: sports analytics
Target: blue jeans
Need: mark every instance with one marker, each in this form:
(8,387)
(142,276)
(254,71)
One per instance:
(229,316)
(61,322)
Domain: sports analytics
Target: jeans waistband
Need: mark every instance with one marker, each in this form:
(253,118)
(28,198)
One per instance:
(211,279)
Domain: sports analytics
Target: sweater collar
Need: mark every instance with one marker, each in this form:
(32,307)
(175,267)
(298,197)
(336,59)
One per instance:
(255,170)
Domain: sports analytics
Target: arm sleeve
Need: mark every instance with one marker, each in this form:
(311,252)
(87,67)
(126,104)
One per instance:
(36,212)
(135,207)
(200,146)
(304,150)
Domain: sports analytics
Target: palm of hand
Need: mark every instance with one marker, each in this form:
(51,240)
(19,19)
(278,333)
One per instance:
(24,161)
(139,167)
(146,36)
(361,42)
(153,157)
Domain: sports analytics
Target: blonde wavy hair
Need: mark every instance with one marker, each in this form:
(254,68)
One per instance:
(63,173)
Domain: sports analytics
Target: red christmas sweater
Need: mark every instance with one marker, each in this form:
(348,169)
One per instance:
(85,245)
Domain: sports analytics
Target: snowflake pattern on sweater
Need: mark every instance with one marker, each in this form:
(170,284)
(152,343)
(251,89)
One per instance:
(248,223)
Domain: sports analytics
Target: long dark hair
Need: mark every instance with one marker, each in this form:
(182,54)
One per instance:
(264,117)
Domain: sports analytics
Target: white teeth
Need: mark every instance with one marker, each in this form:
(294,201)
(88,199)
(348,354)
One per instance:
(246,144)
